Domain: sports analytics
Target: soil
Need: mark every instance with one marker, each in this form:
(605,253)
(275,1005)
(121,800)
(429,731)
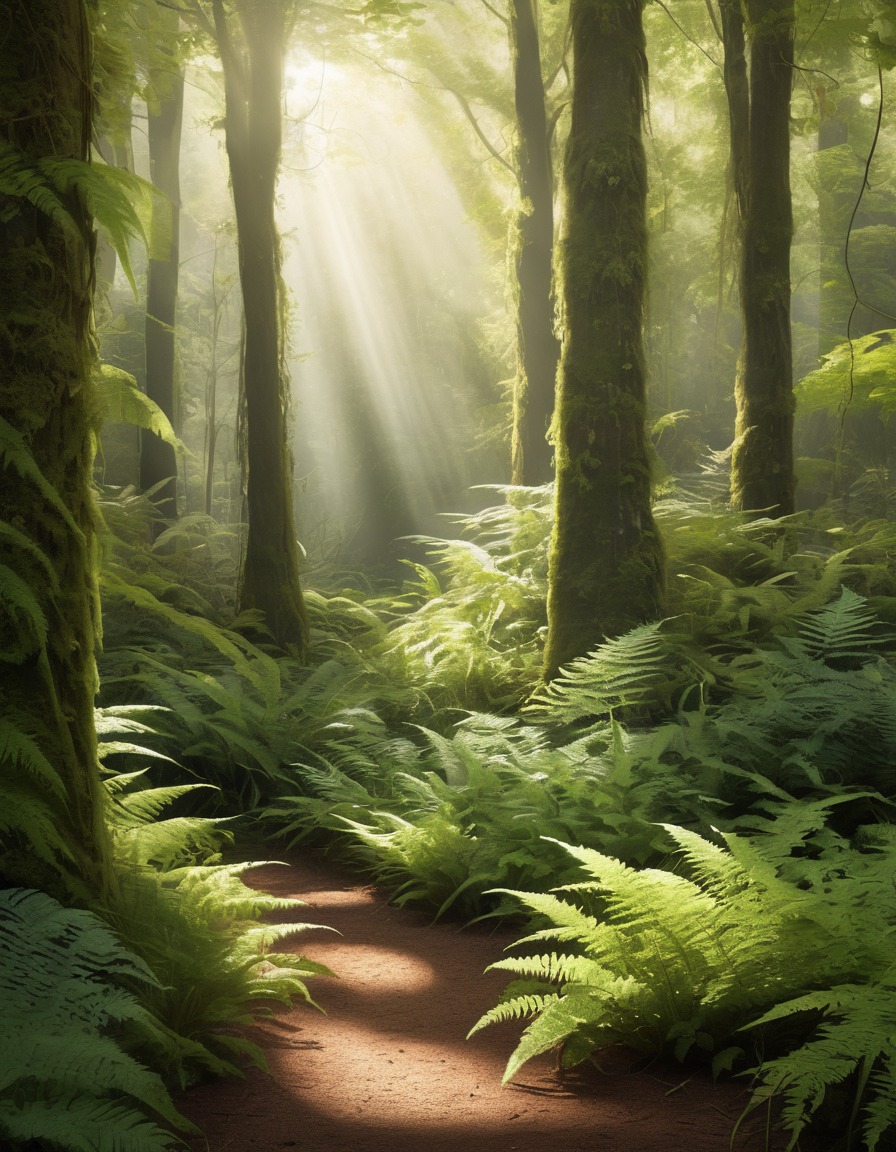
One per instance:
(387,1069)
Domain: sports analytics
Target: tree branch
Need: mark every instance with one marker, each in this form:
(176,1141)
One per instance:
(687,37)
(495,12)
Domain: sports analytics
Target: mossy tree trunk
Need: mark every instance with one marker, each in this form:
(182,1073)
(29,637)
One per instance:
(251,42)
(158,463)
(606,565)
(538,349)
(762,461)
(46,400)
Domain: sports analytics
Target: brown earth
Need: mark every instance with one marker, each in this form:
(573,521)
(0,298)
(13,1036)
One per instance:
(388,1068)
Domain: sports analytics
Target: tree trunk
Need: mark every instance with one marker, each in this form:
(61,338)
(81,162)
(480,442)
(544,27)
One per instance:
(158,463)
(538,349)
(762,462)
(606,564)
(253,81)
(46,355)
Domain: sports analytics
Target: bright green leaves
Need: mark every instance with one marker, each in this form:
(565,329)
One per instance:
(121,402)
(859,376)
(64,1082)
(121,203)
(663,961)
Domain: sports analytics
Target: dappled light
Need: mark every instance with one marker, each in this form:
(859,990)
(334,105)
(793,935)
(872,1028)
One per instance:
(384,280)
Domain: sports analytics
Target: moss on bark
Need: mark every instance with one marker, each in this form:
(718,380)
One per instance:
(606,565)
(46,288)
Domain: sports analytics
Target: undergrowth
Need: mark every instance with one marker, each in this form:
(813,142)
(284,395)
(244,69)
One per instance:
(793,924)
(420,741)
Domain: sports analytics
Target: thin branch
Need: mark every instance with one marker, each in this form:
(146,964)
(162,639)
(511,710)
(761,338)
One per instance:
(468,112)
(465,107)
(195,11)
(687,36)
(554,118)
(495,12)
(714,19)
(821,21)
(817,72)
(857,300)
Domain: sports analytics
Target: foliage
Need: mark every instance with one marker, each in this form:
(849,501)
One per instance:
(119,201)
(122,402)
(65,1081)
(703,740)
(231,710)
(858,375)
(469,633)
(191,918)
(660,960)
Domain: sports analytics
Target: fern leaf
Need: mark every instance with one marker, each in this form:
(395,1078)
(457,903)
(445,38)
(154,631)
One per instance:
(515,1008)
(121,402)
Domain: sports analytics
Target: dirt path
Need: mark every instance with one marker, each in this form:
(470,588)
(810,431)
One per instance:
(388,1069)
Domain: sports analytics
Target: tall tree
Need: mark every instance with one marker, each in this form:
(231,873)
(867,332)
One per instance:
(606,564)
(48,541)
(250,36)
(758,44)
(165,105)
(538,349)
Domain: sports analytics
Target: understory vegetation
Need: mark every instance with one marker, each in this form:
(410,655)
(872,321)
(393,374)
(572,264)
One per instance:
(723,779)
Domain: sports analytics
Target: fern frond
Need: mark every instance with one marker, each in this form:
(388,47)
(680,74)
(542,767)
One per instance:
(623,671)
(122,402)
(515,1008)
(845,628)
(78,1123)
(15,454)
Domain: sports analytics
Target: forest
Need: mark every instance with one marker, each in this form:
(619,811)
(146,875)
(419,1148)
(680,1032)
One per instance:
(450,438)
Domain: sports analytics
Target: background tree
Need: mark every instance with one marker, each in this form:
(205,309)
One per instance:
(538,349)
(47,410)
(250,39)
(165,105)
(606,563)
(762,475)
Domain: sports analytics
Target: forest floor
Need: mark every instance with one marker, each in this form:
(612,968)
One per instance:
(388,1068)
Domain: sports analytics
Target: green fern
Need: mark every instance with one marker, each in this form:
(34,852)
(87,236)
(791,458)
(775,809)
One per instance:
(668,961)
(119,201)
(63,1080)
(120,401)
(855,1043)
(639,672)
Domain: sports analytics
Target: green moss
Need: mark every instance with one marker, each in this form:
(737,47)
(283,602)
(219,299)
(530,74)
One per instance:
(45,358)
(606,567)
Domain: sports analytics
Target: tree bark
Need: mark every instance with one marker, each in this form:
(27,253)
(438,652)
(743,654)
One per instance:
(538,349)
(158,463)
(253,81)
(762,461)
(606,564)
(46,356)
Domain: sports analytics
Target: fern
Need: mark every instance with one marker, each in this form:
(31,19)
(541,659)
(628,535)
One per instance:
(668,961)
(119,201)
(121,402)
(634,672)
(196,926)
(856,1042)
(63,1080)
